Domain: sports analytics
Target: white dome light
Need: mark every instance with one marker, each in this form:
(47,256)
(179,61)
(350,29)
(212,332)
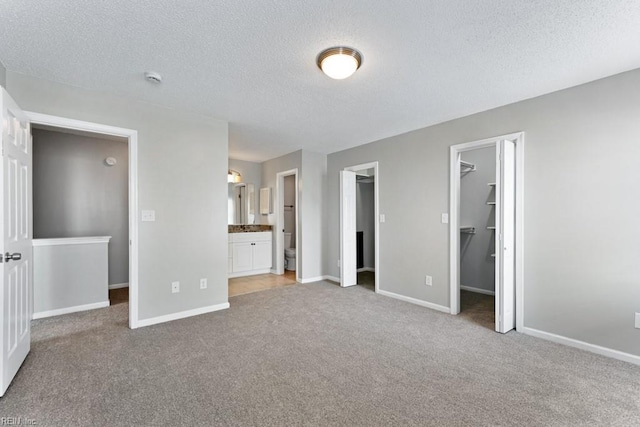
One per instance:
(339,62)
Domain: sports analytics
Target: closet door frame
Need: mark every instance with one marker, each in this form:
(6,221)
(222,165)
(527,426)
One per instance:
(454,220)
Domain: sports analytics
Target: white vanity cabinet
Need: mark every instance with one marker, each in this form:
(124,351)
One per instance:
(249,253)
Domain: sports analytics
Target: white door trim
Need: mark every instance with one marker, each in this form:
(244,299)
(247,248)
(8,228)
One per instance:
(279,210)
(454,220)
(132,136)
(376,196)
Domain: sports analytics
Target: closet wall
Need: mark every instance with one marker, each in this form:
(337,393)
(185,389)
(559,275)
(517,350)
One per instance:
(477,266)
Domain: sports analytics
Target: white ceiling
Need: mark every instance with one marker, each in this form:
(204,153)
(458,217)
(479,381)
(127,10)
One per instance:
(253,62)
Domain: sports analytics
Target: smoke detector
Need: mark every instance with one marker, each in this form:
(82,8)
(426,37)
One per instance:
(152,77)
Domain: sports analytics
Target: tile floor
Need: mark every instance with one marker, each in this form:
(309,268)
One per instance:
(261,282)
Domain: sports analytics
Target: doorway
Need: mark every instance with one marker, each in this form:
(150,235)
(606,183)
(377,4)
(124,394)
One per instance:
(123,283)
(359,226)
(288,248)
(486,185)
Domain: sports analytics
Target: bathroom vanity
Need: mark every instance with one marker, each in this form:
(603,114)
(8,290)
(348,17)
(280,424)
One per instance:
(249,249)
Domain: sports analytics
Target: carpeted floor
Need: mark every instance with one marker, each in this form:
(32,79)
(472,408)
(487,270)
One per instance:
(312,354)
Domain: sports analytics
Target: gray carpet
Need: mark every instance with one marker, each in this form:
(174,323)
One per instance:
(312,355)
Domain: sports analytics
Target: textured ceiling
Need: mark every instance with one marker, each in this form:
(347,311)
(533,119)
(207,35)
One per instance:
(253,62)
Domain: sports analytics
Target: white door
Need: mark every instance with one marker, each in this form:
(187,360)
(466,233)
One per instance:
(262,255)
(505,236)
(16,226)
(348,266)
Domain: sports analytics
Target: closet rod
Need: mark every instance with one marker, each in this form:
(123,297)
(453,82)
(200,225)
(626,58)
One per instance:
(468,165)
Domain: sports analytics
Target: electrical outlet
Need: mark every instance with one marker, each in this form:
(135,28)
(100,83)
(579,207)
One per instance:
(203,283)
(383,218)
(428,280)
(638,320)
(175,287)
(445,218)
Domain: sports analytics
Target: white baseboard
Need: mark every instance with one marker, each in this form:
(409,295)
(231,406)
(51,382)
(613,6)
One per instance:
(181,315)
(415,301)
(119,285)
(603,351)
(312,279)
(272,271)
(331,278)
(477,290)
(371,269)
(67,310)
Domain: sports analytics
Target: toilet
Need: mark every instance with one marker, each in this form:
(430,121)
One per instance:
(289,253)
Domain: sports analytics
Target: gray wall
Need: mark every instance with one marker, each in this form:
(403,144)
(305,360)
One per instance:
(251,174)
(75,194)
(477,266)
(365,220)
(581,223)
(59,285)
(3,75)
(183,162)
(313,205)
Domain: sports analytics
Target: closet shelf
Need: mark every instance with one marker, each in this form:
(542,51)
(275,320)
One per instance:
(468,230)
(491,228)
(491,184)
(493,255)
(491,203)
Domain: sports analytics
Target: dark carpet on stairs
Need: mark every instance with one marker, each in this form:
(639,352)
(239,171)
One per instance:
(312,354)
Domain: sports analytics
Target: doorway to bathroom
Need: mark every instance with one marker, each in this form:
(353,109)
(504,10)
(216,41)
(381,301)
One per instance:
(359,226)
(486,231)
(287,226)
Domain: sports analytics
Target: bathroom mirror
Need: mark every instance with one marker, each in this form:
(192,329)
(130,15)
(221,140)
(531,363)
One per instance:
(241,204)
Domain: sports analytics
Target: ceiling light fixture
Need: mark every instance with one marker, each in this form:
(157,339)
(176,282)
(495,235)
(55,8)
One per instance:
(339,62)
(234,176)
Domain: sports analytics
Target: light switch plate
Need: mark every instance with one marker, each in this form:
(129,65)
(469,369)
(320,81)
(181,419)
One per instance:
(445,218)
(148,216)
(638,320)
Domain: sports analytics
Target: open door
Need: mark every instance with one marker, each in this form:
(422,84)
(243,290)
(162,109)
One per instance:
(348,268)
(16,228)
(505,236)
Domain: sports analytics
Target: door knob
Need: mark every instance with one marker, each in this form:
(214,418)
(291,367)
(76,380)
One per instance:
(15,257)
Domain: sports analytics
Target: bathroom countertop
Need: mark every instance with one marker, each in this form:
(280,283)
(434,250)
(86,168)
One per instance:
(249,228)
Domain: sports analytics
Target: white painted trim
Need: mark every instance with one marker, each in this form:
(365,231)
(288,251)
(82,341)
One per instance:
(119,285)
(182,315)
(312,279)
(279,268)
(71,241)
(477,290)
(454,220)
(360,270)
(331,278)
(376,197)
(415,301)
(249,273)
(272,271)
(132,136)
(592,348)
(67,310)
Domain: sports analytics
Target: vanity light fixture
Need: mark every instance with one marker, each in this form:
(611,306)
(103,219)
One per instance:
(339,62)
(234,176)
